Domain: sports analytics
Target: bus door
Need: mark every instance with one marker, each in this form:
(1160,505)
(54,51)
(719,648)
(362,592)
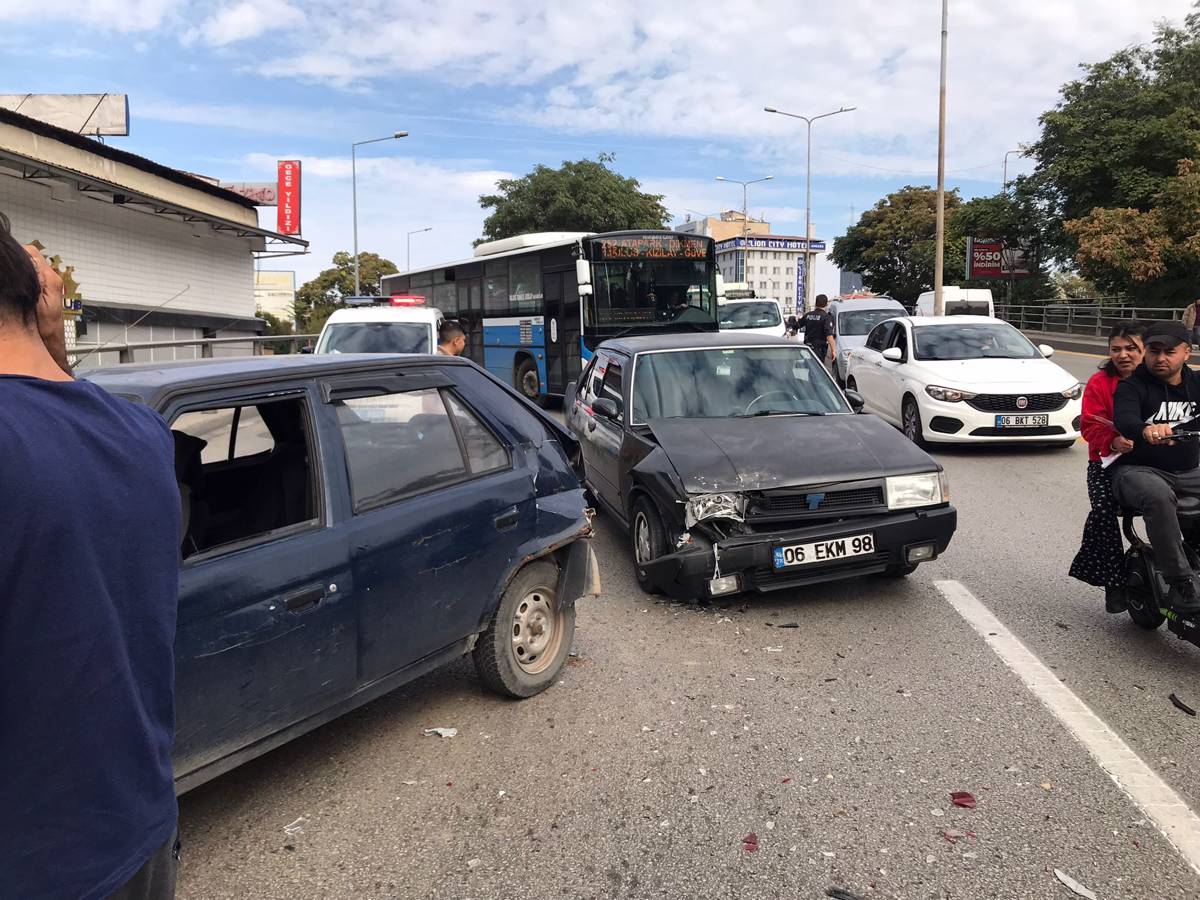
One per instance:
(470,315)
(556,347)
(571,328)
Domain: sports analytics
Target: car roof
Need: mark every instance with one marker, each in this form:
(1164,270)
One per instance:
(425,314)
(691,340)
(749,300)
(151,382)
(922,321)
(872,303)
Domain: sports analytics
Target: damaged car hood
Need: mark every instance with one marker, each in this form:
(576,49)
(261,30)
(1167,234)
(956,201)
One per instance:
(757,454)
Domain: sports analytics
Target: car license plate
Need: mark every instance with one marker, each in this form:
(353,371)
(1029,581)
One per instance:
(824,551)
(1022,421)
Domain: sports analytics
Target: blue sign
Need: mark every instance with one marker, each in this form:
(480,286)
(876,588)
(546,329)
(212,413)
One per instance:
(771,243)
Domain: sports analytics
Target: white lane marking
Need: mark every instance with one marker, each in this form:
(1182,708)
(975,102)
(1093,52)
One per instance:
(1165,808)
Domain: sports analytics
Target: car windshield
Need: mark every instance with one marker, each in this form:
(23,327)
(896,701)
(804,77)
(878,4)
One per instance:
(376,337)
(732,381)
(971,341)
(861,321)
(749,315)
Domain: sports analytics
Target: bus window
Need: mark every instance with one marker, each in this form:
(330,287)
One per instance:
(445,298)
(525,283)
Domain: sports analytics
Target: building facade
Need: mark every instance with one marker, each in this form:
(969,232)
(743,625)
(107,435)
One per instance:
(773,265)
(730,224)
(275,293)
(151,254)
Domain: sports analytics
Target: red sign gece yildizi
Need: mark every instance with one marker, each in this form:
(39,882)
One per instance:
(289,197)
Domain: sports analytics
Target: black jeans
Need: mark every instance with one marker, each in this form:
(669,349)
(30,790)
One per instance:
(820,349)
(1155,492)
(156,879)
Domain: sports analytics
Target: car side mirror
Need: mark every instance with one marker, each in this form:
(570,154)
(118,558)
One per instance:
(893,354)
(857,400)
(306,349)
(1046,350)
(606,408)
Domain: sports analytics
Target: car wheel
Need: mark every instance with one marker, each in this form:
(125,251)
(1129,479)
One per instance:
(528,382)
(911,416)
(900,570)
(851,384)
(649,540)
(523,650)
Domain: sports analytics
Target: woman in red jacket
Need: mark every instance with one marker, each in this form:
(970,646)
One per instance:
(1098,561)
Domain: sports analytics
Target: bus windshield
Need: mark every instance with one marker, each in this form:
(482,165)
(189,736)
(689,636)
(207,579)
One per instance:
(651,293)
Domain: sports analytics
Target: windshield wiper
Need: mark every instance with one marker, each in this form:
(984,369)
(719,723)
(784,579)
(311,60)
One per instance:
(777,412)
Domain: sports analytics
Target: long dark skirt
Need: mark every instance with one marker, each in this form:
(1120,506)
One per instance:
(1098,561)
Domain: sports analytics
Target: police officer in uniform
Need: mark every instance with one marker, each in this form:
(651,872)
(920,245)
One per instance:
(818,330)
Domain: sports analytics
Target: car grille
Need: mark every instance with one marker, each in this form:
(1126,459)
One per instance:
(788,503)
(1018,432)
(1008,402)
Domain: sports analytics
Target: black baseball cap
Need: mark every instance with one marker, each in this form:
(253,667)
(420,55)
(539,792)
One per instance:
(1168,332)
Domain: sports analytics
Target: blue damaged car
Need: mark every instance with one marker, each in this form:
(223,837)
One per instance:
(349,524)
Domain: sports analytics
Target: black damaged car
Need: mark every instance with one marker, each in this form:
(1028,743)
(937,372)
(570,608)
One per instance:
(737,464)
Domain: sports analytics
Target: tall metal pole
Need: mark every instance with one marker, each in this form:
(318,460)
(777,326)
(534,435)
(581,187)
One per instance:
(1006,156)
(354,206)
(408,246)
(939,307)
(804,301)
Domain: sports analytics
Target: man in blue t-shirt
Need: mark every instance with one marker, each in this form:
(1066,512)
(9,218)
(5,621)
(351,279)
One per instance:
(89,542)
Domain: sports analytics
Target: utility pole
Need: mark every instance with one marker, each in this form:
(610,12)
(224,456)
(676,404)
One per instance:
(745,215)
(354,193)
(939,307)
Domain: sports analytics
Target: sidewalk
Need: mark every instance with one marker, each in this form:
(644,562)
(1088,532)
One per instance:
(1081,343)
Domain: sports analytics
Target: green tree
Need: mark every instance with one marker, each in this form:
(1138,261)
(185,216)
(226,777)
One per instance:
(893,244)
(585,195)
(277,326)
(1114,141)
(318,298)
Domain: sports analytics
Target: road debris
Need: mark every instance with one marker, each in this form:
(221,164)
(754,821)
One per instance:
(296,827)
(1074,885)
(841,894)
(963,799)
(441,732)
(1180,705)
(474,863)
(750,843)
(937,812)
(770,826)
(783,625)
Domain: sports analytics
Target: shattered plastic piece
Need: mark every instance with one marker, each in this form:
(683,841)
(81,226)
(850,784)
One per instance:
(937,812)
(296,827)
(409,782)
(770,826)
(839,894)
(441,732)
(828,854)
(963,799)
(474,863)
(1074,885)
(952,835)
(786,781)
(750,843)
(1180,705)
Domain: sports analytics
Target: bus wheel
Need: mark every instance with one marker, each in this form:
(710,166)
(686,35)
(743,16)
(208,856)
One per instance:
(528,382)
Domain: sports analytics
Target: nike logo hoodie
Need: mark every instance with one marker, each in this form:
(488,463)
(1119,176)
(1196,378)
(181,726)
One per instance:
(1141,400)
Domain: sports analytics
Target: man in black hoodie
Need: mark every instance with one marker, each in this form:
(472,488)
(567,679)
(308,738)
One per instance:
(1161,393)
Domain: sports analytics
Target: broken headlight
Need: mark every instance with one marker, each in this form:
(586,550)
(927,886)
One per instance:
(714,506)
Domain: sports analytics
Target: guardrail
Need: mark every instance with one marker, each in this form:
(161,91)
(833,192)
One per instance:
(1086,319)
(82,352)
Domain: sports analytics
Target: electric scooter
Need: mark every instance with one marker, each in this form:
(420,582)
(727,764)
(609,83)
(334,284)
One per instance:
(1145,589)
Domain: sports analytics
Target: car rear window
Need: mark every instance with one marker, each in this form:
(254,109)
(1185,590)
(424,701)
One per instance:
(749,315)
(376,337)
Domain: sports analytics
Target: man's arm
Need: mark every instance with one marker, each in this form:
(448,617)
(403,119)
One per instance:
(1127,411)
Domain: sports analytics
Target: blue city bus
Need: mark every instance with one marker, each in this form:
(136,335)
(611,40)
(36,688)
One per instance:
(535,306)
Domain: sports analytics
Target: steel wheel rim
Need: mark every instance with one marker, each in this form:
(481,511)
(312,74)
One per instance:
(911,422)
(536,631)
(641,539)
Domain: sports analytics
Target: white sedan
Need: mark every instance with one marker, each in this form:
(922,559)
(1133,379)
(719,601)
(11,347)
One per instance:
(965,379)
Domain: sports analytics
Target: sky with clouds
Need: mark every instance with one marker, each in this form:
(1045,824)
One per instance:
(487,90)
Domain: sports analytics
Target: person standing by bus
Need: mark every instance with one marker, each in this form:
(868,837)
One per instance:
(818,330)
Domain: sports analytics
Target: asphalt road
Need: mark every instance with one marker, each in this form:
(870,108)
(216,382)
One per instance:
(678,730)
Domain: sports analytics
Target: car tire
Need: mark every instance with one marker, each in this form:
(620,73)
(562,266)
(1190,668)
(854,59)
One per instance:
(851,384)
(524,648)
(900,570)
(527,380)
(647,533)
(910,416)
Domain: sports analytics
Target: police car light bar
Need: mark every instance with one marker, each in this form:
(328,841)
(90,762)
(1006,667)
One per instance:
(407,300)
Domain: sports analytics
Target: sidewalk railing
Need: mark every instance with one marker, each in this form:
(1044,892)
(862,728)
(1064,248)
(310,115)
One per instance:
(1072,318)
(83,354)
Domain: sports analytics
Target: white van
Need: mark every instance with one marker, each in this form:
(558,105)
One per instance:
(760,315)
(959,301)
(388,325)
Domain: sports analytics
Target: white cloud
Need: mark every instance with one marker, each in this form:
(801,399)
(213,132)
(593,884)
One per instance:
(396,195)
(109,15)
(246,20)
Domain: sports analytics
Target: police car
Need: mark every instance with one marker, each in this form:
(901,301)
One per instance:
(399,324)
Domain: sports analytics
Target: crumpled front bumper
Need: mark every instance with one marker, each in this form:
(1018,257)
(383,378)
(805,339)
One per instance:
(686,573)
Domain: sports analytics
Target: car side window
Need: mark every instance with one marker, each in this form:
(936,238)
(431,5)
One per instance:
(245,473)
(610,388)
(900,339)
(878,336)
(402,444)
(586,378)
(596,381)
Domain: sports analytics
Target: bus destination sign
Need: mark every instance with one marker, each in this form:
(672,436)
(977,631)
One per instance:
(652,246)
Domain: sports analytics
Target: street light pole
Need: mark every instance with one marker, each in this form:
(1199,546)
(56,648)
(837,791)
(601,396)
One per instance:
(354,193)
(408,247)
(745,213)
(808,120)
(939,307)
(1007,154)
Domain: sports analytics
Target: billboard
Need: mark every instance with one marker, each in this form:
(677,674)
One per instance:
(91,114)
(263,193)
(989,258)
(288,220)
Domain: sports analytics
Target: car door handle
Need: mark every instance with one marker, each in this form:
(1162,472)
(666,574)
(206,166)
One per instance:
(304,600)
(507,520)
